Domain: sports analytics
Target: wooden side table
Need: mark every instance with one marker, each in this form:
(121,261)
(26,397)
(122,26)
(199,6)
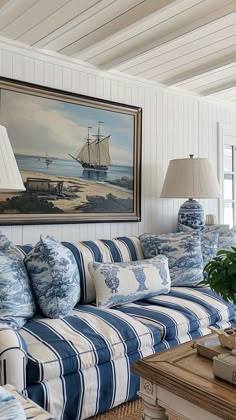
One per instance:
(179,384)
(32,411)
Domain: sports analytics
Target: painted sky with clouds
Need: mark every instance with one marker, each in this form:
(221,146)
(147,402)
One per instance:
(36,123)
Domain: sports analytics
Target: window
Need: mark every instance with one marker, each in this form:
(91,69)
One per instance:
(227,169)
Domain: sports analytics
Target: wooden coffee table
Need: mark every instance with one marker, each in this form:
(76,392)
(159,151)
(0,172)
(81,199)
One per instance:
(180,384)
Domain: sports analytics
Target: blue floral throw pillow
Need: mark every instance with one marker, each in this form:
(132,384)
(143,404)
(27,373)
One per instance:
(55,277)
(221,229)
(183,251)
(227,240)
(209,242)
(17,303)
(125,282)
(10,408)
(209,245)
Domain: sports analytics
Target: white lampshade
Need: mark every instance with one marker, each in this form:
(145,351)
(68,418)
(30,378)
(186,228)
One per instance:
(10,178)
(191,178)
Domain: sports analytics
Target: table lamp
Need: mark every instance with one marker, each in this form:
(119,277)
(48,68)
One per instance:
(191,178)
(10,178)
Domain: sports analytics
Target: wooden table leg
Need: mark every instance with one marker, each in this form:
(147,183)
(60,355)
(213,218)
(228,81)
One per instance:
(148,393)
(153,412)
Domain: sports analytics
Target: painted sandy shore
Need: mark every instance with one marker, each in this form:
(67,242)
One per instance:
(76,190)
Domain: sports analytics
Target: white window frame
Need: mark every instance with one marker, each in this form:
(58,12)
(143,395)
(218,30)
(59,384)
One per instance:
(223,131)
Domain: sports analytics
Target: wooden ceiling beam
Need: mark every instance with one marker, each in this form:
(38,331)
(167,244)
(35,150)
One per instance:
(195,42)
(89,22)
(221,86)
(180,80)
(200,69)
(225,94)
(35,13)
(57,22)
(120,23)
(76,14)
(170,24)
(114,19)
(12,10)
(208,78)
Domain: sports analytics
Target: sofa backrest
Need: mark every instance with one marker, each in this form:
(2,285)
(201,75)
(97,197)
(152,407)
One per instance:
(117,250)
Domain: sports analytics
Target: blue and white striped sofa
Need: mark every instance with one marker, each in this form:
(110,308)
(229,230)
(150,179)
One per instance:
(80,365)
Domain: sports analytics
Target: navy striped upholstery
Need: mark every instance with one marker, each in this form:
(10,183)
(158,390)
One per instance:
(97,389)
(183,311)
(13,356)
(80,365)
(98,335)
(116,250)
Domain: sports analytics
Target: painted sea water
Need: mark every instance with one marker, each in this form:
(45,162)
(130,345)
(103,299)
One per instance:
(70,168)
(63,186)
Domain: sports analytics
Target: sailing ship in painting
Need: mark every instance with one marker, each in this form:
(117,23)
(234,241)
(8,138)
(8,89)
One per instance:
(48,160)
(95,154)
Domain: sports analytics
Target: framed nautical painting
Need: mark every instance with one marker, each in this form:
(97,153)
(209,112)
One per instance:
(79,157)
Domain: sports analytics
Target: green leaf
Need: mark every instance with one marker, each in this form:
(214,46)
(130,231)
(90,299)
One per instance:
(221,274)
(232,269)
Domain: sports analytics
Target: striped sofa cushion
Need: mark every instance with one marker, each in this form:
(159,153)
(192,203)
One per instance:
(117,250)
(87,337)
(183,311)
(97,389)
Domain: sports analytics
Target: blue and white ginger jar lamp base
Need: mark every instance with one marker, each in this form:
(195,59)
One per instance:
(191,214)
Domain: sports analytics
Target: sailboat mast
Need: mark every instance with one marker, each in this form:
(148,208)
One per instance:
(98,141)
(94,154)
(88,143)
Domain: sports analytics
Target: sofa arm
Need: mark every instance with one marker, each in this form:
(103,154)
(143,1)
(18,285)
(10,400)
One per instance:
(13,358)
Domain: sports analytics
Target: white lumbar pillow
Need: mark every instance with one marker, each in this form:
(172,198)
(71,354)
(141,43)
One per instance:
(124,282)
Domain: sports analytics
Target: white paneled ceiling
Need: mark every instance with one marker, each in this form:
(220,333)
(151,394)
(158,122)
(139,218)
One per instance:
(188,44)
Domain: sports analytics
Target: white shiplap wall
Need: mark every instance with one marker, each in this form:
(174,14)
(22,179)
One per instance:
(174,125)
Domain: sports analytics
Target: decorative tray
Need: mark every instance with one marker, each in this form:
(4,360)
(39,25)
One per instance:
(211,347)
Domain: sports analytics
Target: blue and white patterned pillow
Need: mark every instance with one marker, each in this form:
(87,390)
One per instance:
(209,245)
(122,249)
(221,229)
(17,303)
(7,247)
(119,283)
(183,251)
(10,408)
(227,240)
(209,242)
(55,277)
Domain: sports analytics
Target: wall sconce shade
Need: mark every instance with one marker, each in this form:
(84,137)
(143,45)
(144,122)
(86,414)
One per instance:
(10,178)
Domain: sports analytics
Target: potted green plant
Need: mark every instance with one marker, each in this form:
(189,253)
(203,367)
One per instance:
(220,274)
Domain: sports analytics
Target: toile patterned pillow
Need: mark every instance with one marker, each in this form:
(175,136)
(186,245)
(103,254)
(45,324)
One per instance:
(227,240)
(54,276)
(125,282)
(184,254)
(221,229)
(7,247)
(17,301)
(10,408)
(209,242)
(209,245)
